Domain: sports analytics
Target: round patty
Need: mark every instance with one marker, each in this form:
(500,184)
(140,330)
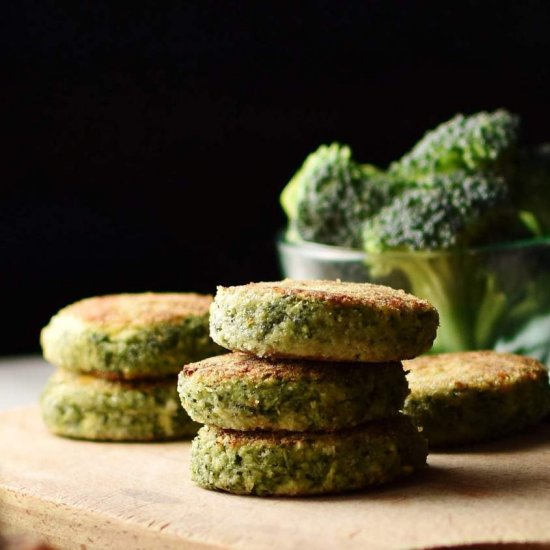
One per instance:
(242,392)
(87,407)
(271,463)
(129,336)
(322,320)
(473,396)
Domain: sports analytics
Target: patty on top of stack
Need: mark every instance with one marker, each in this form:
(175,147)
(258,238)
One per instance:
(315,408)
(117,359)
(323,320)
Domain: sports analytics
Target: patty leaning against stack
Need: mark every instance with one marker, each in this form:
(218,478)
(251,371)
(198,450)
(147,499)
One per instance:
(313,405)
(117,359)
(466,397)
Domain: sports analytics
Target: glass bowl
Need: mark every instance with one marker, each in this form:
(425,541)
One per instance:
(495,297)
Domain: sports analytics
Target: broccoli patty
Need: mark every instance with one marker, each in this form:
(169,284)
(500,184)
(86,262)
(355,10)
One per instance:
(242,392)
(130,336)
(322,320)
(473,396)
(294,464)
(87,407)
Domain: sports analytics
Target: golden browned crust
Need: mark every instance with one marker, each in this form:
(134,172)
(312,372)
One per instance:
(139,309)
(237,438)
(339,293)
(471,369)
(243,365)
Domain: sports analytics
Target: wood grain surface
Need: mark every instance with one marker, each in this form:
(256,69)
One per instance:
(84,495)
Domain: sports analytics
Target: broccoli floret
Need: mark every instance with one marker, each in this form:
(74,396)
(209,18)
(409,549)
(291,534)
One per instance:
(483,141)
(456,210)
(532,185)
(331,196)
(440,223)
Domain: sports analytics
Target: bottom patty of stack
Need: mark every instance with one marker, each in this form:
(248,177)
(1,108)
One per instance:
(306,463)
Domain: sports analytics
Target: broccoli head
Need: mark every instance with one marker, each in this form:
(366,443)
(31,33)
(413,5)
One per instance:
(330,197)
(456,210)
(483,141)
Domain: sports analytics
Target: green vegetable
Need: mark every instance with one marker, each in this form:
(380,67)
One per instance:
(483,141)
(331,195)
(457,210)
(424,222)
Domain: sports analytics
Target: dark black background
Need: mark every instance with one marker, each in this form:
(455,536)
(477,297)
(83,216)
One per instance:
(145,144)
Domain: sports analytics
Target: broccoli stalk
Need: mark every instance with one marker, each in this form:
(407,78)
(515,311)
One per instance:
(487,298)
(466,297)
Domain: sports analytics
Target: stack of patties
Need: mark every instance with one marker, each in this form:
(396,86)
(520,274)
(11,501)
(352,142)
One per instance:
(117,358)
(309,400)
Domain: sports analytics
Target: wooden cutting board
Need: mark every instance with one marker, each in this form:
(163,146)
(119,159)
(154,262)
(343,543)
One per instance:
(76,494)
